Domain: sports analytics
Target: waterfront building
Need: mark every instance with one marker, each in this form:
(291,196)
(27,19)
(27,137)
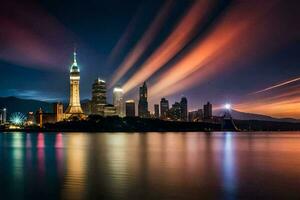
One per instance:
(174,112)
(143,103)
(58,110)
(110,110)
(184,109)
(98,97)
(156,110)
(207,111)
(74,108)
(42,117)
(30,119)
(164,108)
(130,108)
(118,101)
(3,116)
(196,115)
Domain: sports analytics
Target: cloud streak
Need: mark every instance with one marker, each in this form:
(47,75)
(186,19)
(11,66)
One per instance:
(143,43)
(180,36)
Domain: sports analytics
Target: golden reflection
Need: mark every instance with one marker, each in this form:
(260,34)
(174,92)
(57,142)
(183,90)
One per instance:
(76,166)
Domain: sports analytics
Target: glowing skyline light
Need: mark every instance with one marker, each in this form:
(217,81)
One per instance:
(227,106)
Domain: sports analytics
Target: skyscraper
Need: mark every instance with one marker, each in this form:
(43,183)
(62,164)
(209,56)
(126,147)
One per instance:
(175,112)
(164,107)
(130,108)
(118,101)
(207,111)
(74,107)
(184,109)
(3,116)
(143,103)
(98,96)
(156,110)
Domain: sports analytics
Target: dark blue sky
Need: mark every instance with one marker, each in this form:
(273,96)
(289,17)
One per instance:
(36,46)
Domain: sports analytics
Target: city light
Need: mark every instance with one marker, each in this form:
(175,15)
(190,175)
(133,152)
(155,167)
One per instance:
(227,106)
(17,118)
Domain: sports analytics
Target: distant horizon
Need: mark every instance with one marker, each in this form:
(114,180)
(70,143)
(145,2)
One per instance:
(218,109)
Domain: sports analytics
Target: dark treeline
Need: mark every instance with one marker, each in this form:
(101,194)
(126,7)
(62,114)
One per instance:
(95,123)
(256,125)
(129,124)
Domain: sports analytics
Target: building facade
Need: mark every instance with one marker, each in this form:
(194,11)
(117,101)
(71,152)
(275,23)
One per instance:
(184,109)
(110,110)
(156,110)
(130,108)
(174,112)
(196,115)
(118,101)
(207,111)
(3,116)
(98,97)
(143,102)
(164,108)
(57,115)
(74,108)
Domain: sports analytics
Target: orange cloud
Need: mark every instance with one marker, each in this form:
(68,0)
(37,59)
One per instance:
(143,44)
(180,36)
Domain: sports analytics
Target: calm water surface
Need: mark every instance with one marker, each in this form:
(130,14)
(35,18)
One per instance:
(150,166)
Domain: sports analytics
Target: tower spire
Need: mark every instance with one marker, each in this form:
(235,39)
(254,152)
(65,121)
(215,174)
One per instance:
(74,55)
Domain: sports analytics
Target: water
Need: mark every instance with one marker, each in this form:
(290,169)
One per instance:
(150,166)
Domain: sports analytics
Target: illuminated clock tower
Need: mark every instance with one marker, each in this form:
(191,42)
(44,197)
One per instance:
(74,107)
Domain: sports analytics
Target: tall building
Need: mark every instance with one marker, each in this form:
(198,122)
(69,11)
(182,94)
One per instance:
(3,116)
(207,111)
(143,103)
(74,107)
(175,112)
(184,109)
(118,101)
(164,108)
(130,108)
(156,110)
(98,97)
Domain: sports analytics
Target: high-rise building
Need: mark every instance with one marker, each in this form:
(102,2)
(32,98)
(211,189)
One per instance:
(118,101)
(98,97)
(3,116)
(74,107)
(175,112)
(207,111)
(184,109)
(164,108)
(130,108)
(143,103)
(156,110)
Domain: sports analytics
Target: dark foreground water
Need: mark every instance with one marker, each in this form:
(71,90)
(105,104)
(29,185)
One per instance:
(150,166)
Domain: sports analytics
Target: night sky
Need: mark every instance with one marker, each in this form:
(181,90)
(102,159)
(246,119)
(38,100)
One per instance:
(242,52)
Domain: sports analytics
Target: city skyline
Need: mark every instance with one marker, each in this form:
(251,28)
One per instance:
(222,60)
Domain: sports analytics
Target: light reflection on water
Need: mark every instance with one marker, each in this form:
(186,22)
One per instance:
(149,165)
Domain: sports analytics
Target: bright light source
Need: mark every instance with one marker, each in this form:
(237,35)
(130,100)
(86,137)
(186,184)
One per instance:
(227,106)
